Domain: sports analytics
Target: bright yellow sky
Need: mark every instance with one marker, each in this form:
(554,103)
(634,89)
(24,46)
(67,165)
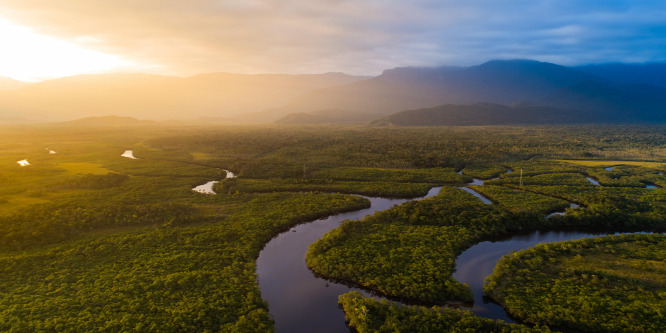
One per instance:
(42,39)
(28,56)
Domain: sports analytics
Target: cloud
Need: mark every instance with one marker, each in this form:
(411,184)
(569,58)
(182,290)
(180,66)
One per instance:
(361,36)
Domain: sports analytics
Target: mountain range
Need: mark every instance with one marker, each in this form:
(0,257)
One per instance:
(158,97)
(496,92)
(608,98)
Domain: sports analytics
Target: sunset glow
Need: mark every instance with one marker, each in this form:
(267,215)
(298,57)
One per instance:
(44,39)
(27,56)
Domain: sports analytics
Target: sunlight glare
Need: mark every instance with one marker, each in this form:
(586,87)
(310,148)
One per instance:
(27,56)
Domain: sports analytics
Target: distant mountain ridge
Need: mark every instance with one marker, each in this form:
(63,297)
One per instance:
(501,82)
(647,73)
(160,97)
(608,92)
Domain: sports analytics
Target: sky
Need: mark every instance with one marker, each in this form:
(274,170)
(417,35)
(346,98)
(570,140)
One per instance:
(42,39)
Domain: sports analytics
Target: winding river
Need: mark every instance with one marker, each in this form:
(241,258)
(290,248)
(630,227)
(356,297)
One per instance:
(297,300)
(478,261)
(301,302)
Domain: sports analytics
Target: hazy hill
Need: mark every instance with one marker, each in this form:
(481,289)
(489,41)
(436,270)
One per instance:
(498,82)
(8,84)
(159,97)
(621,92)
(502,82)
(648,73)
(486,114)
(616,103)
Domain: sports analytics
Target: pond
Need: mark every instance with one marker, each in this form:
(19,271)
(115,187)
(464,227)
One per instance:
(129,154)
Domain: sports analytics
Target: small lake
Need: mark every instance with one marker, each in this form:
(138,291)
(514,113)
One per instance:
(129,154)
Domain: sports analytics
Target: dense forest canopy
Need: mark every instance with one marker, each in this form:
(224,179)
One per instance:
(91,240)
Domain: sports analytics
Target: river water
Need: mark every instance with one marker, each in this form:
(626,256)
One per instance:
(477,262)
(207,188)
(301,302)
(297,300)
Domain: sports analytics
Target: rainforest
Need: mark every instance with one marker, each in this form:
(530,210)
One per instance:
(93,238)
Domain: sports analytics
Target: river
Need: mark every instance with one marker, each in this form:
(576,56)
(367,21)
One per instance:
(297,300)
(207,188)
(301,302)
(478,261)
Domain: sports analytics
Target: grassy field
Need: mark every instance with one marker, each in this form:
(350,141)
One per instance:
(604,164)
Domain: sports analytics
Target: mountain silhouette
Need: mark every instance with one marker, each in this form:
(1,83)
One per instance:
(619,93)
(498,82)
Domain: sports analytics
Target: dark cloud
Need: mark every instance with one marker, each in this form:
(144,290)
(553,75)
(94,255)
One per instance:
(362,36)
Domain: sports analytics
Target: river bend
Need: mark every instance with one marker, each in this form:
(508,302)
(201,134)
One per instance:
(301,302)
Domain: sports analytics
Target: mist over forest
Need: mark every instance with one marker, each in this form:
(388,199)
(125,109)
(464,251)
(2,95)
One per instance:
(557,94)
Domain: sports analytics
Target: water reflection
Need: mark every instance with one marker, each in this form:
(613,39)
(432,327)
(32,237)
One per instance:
(571,206)
(129,154)
(479,182)
(477,262)
(298,300)
(476,194)
(301,302)
(594,182)
(206,188)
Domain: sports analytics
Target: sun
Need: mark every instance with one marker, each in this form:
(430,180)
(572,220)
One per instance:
(28,56)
